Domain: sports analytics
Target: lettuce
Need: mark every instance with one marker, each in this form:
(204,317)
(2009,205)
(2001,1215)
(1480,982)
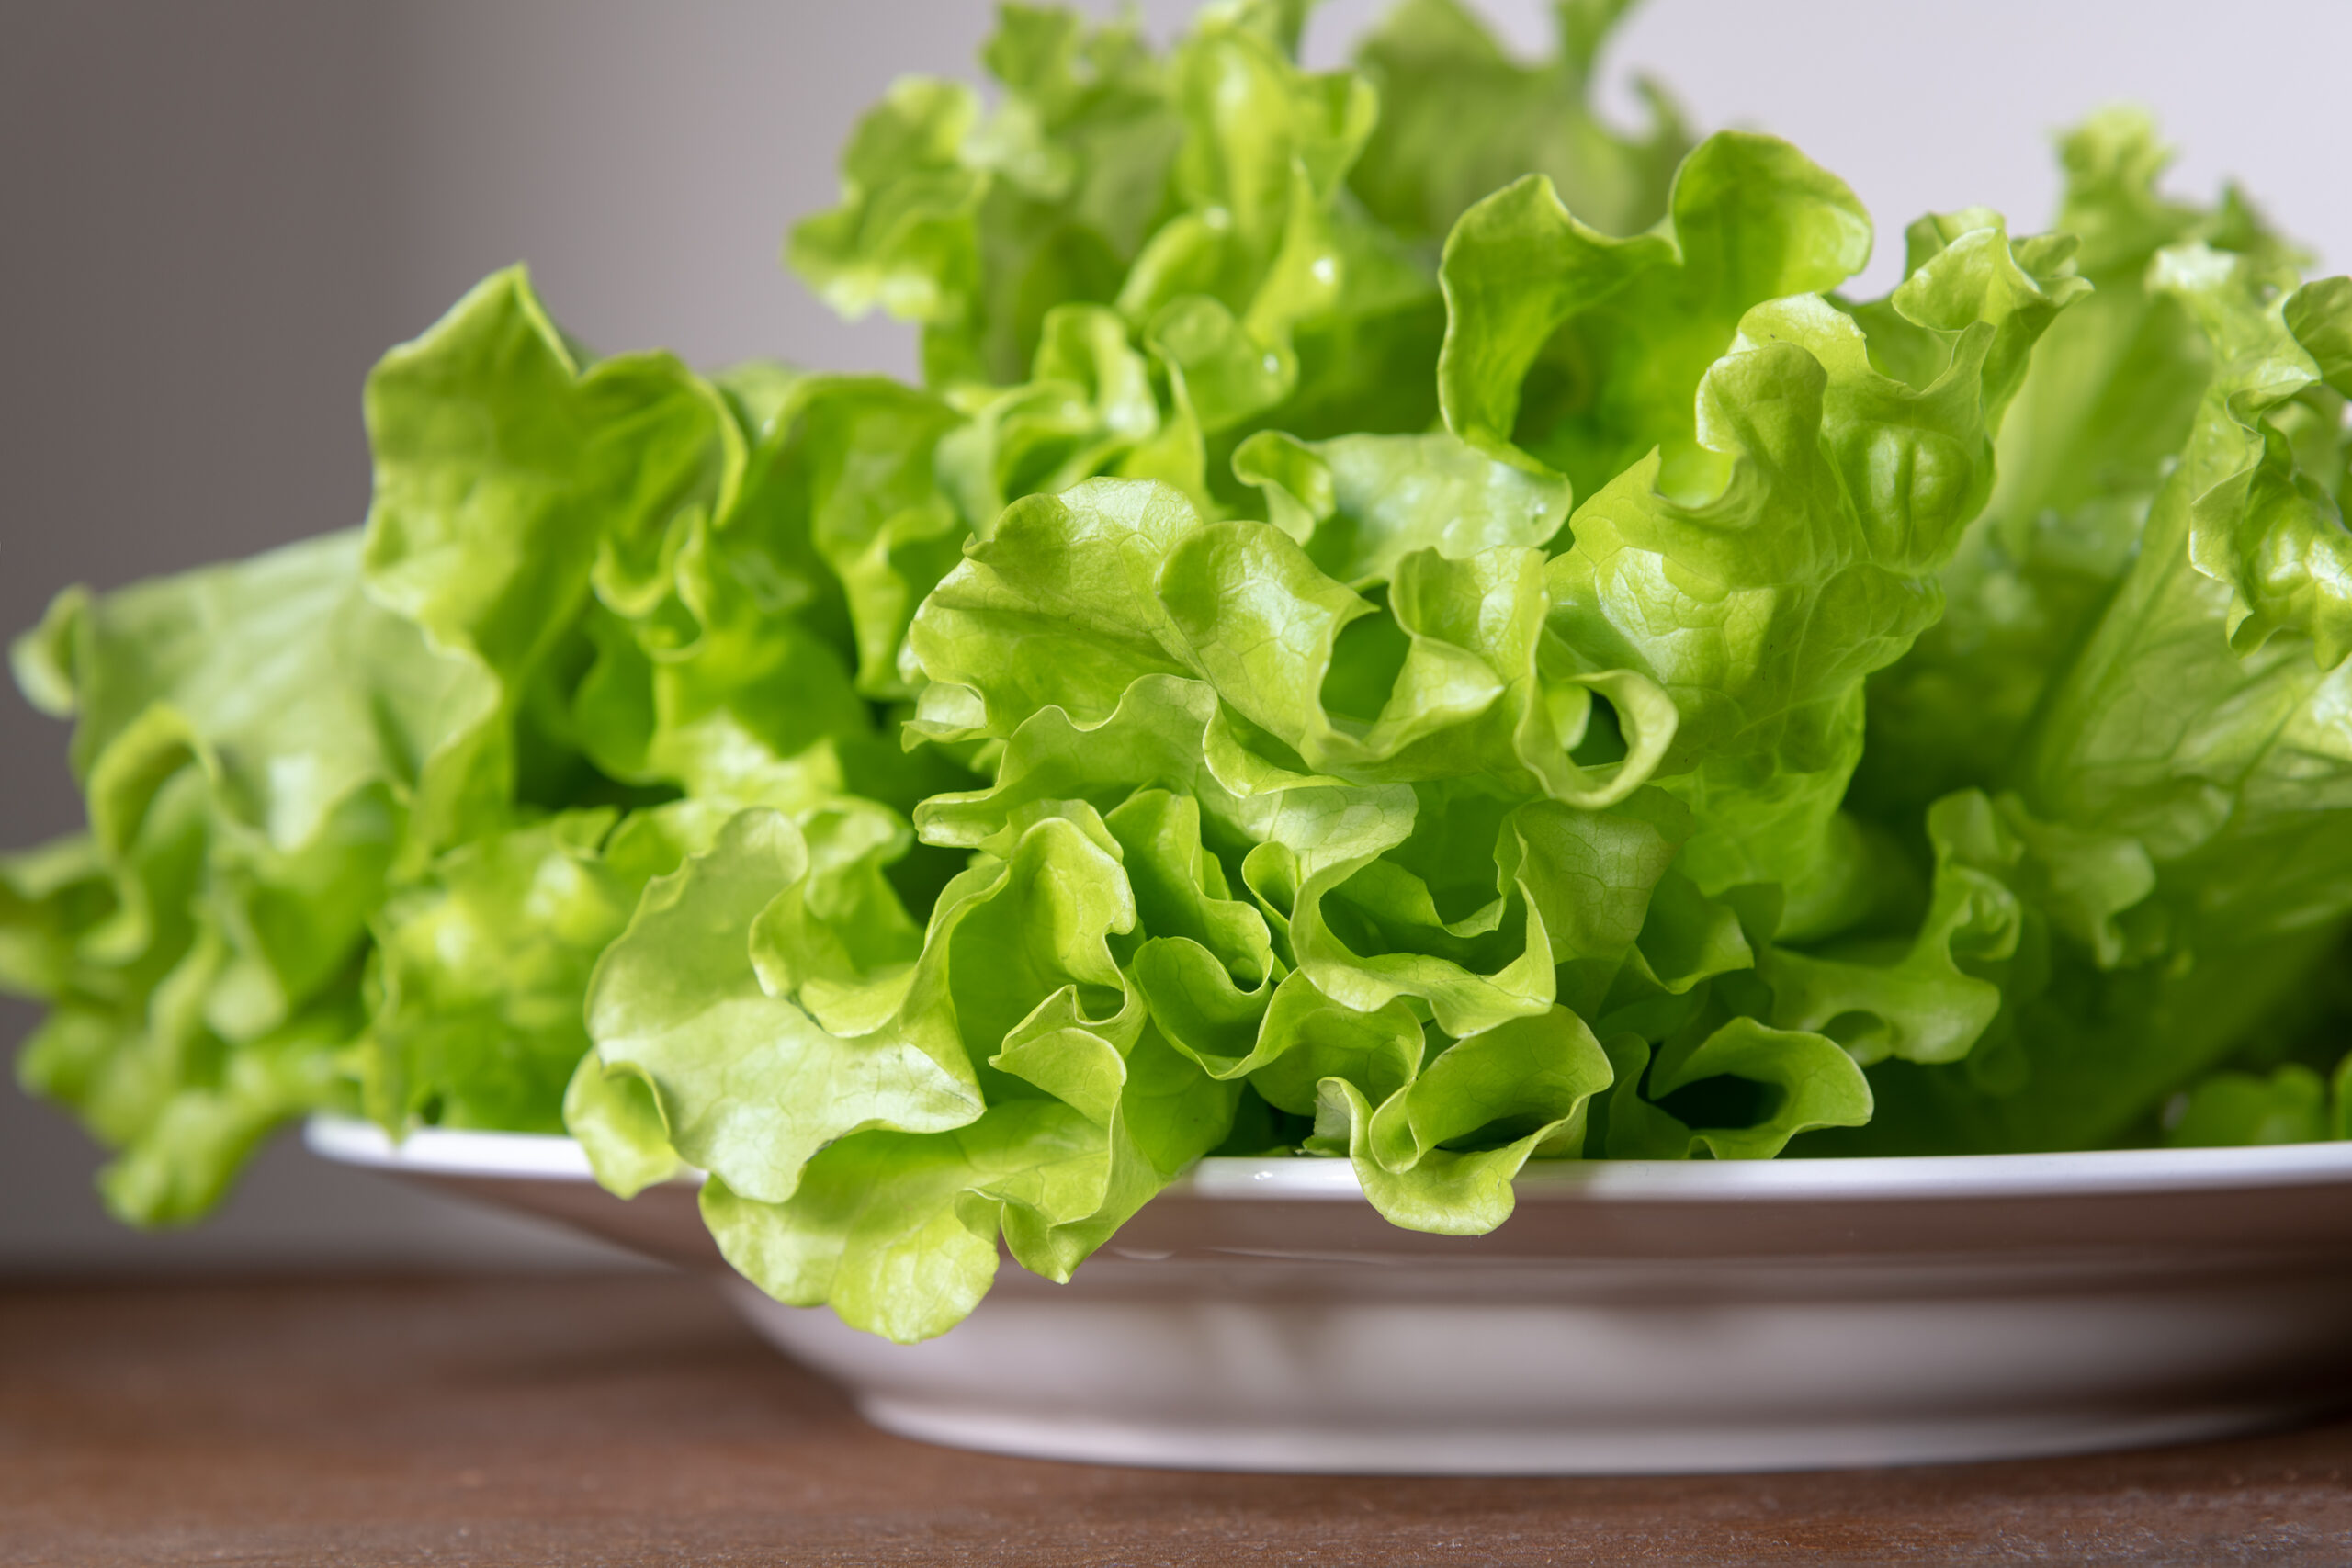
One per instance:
(1460,118)
(1403,624)
(366,812)
(254,740)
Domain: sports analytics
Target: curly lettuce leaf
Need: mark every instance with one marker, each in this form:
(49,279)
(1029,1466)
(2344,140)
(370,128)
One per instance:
(697,1000)
(1738,1090)
(2267,527)
(724,662)
(480,969)
(899,1232)
(614,1118)
(975,227)
(1507,1093)
(253,740)
(1200,194)
(2223,767)
(1076,596)
(511,473)
(2005,887)
(1089,406)
(1762,575)
(1359,504)
(1584,351)
(1459,118)
(2229,762)
(2104,409)
(2231,1108)
(886,1202)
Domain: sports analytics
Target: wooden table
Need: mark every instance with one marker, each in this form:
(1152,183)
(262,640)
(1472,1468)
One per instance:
(631,1421)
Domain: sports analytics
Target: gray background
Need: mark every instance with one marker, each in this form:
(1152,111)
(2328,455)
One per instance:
(212,219)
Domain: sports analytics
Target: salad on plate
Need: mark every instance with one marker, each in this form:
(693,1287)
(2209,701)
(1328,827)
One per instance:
(1403,623)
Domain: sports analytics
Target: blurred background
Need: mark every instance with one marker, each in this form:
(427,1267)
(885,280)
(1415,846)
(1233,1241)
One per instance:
(213,219)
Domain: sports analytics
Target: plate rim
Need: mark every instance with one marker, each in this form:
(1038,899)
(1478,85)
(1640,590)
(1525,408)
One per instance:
(554,1156)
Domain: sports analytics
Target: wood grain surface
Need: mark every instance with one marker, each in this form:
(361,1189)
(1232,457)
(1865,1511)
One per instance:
(631,1421)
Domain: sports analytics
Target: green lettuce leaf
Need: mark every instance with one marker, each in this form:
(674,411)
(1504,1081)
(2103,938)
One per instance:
(2290,1106)
(1076,596)
(2217,763)
(1359,504)
(618,1124)
(1740,1091)
(253,740)
(1505,1092)
(1584,351)
(976,227)
(481,970)
(862,1168)
(694,1000)
(509,472)
(2005,887)
(2220,761)
(1200,193)
(2101,413)
(1459,118)
(1795,548)
(897,1233)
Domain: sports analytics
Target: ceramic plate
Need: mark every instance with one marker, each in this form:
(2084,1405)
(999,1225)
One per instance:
(1630,1317)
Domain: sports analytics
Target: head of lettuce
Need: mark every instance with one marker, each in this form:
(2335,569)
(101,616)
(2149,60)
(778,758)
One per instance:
(1403,624)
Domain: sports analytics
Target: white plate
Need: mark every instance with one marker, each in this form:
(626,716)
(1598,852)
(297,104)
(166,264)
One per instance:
(1631,1316)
